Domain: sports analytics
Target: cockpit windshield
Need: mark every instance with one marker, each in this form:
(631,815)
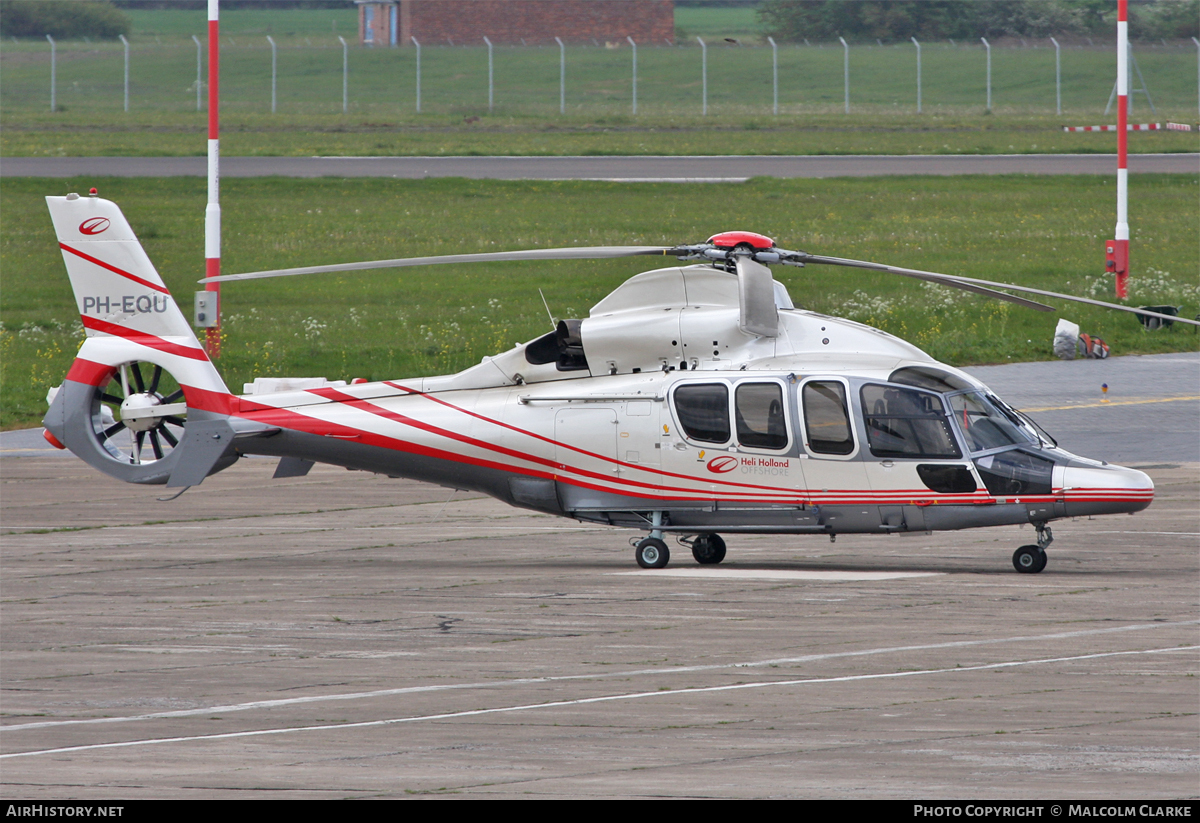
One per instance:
(987,423)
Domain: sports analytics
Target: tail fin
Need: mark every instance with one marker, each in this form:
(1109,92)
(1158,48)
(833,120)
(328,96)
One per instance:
(126,308)
(114,409)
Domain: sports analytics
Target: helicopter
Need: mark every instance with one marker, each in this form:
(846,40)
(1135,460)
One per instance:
(693,401)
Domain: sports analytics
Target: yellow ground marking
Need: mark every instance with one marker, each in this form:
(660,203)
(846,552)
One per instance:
(1114,403)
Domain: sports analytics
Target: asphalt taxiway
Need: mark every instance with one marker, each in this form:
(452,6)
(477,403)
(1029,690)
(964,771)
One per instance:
(346,635)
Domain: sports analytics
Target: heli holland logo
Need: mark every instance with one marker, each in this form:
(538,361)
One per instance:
(722,464)
(93,225)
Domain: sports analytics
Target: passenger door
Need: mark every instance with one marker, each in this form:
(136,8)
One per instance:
(835,474)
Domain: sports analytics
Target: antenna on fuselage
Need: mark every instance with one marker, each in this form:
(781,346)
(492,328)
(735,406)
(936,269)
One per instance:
(550,314)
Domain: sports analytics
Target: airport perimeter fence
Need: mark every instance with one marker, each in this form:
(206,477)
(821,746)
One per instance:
(302,75)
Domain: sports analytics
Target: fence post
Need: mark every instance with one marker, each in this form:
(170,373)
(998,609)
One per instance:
(988,46)
(918,45)
(846,70)
(53,75)
(274,74)
(630,39)
(345,75)
(125,43)
(774,75)
(490,98)
(1057,76)
(199,70)
(418,45)
(1197,42)
(703,76)
(562,76)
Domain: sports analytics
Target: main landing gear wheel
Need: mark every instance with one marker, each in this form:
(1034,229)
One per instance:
(131,416)
(1029,559)
(652,553)
(708,549)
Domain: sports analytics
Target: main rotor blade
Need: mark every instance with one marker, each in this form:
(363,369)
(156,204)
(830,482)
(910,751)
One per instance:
(585,253)
(929,276)
(960,282)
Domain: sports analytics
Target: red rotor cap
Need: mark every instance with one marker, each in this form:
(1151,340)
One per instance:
(729,239)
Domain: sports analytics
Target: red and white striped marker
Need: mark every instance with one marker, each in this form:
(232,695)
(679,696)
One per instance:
(1178,127)
(212,212)
(1117,249)
(1129,127)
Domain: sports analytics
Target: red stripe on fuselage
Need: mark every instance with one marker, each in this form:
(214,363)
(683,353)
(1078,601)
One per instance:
(114,269)
(363,405)
(585,452)
(286,418)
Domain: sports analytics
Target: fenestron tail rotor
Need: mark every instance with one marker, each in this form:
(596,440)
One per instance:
(133,419)
(723,250)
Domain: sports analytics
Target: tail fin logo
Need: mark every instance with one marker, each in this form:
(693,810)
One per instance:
(93,225)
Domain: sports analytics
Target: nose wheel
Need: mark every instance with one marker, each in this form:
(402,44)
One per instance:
(1029,559)
(1032,559)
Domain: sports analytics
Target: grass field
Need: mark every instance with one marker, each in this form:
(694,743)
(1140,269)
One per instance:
(1044,232)
(142,134)
(739,22)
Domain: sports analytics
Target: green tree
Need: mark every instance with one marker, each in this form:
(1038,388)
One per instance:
(62,19)
(940,19)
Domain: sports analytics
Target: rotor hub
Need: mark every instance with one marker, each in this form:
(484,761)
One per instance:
(144,411)
(733,239)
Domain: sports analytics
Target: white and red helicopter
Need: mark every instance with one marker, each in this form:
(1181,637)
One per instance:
(694,400)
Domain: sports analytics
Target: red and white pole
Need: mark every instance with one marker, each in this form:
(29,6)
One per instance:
(212,212)
(1117,250)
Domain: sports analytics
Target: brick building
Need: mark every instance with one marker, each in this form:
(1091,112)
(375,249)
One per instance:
(395,22)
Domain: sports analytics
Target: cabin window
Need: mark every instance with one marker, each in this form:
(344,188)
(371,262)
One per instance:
(825,418)
(907,423)
(947,479)
(1015,472)
(703,411)
(759,413)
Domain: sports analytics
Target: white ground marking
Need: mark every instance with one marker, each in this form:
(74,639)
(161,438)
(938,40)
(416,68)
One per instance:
(778,574)
(779,661)
(590,700)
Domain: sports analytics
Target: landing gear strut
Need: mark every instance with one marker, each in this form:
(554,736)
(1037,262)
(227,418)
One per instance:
(1032,559)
